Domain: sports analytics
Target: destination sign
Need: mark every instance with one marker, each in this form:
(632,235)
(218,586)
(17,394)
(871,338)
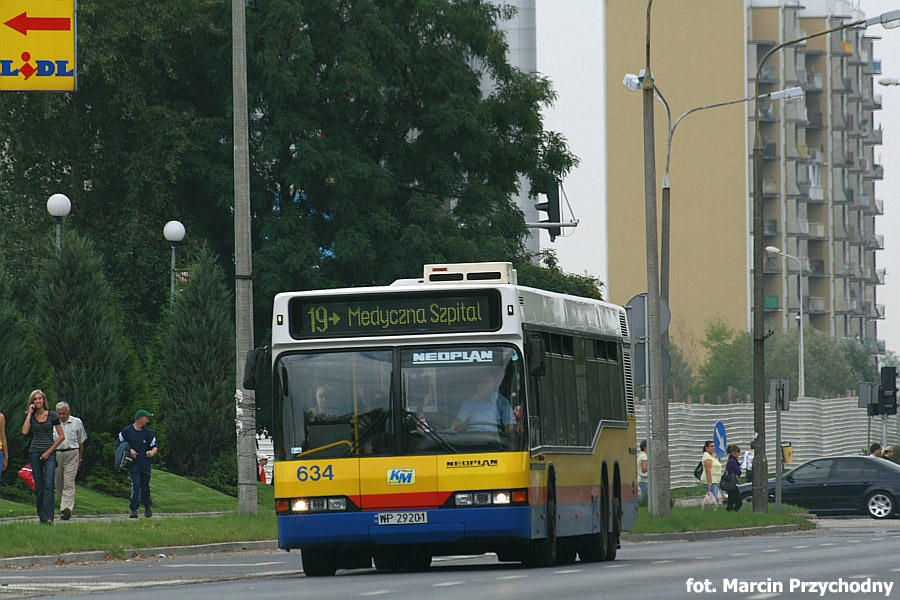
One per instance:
(394,314)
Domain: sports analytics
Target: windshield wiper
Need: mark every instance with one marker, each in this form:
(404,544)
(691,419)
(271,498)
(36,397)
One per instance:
(434,435)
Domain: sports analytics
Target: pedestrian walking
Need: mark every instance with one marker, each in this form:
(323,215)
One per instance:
(747,464)
(875,450)
(41,422)
(143,448)
(69,456)
(732,477)
(712,470)
(643,472)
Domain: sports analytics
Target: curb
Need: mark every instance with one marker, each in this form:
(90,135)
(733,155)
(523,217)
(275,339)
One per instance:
(694,536)
(99,555)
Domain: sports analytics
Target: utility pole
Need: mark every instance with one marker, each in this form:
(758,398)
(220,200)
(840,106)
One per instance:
(245,409)
(659,438)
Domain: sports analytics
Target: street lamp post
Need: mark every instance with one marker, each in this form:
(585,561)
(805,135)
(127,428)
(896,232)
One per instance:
(801,385)
(59,206)
(659,437)
(634,83)
(760,463)
(174,233)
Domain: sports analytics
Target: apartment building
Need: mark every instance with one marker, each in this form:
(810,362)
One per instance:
(819,171)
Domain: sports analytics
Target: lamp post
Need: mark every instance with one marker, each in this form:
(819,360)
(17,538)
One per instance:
(760,464)
(634,83)
(659,437)
(801,387)
(174,233)
(59,206)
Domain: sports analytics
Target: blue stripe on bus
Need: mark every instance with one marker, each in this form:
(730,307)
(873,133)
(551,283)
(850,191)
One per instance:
(444,526)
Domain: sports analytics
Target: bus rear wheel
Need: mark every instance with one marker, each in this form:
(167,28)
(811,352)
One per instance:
(614,523)
(318,562)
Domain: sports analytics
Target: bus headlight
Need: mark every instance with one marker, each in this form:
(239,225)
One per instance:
(501,498)
(337,504)
(299,505)
(463,499)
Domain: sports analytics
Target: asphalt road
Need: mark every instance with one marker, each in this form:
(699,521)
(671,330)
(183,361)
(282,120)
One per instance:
(845,554)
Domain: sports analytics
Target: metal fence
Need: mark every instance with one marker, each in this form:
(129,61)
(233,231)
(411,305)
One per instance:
(814,427)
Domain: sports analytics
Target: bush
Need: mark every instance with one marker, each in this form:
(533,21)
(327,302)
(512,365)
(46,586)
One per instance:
(222,474)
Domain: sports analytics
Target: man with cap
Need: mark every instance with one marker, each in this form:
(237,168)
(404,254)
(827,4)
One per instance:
(143,448)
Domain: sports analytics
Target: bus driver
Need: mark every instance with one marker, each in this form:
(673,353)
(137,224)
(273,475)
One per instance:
(487,406)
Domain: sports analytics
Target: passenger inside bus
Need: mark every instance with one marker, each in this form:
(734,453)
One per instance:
(487,409)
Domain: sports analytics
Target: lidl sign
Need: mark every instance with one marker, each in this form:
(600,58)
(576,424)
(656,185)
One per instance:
(37,45)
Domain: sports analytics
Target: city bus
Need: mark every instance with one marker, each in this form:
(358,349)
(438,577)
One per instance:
(458,413)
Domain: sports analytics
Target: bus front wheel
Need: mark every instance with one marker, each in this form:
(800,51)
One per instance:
(318,562)
(542,552)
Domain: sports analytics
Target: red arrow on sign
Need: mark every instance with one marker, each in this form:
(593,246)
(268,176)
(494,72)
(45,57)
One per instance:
(23,23)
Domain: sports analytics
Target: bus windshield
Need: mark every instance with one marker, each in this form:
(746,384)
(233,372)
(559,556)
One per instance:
(408,401)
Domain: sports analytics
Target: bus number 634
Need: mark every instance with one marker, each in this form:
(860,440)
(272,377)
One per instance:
(314,473)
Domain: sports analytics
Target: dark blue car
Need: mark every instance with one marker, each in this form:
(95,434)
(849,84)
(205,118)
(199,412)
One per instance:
(840,484)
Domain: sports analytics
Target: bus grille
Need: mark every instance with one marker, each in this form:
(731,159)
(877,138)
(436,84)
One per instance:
(626,359)
(629,382)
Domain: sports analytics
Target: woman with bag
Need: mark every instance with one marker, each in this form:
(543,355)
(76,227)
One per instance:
(41,421)
(712,471)
(732,477)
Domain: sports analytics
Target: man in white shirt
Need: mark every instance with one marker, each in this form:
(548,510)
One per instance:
(69,456)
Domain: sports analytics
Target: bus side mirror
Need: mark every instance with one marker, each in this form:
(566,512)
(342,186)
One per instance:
(534,352)
(255,368)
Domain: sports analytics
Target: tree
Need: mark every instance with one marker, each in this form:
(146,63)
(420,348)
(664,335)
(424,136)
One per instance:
(77,320)
(375,150)
(194,358)
(728,362)
(831,366)
(23,368)
(548,276)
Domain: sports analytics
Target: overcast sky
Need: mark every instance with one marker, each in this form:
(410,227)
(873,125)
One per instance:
(570,53)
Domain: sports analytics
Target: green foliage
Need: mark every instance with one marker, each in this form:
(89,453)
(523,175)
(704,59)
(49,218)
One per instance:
(77,322)
(195,361)
(729,361)
(831,366)
(393,158)
(23,368)
(548,276)
(222,474)
(694,518)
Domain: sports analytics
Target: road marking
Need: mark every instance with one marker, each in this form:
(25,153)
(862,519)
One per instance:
(195,566)
(828,544)
(511,577)
(773,550)
(859,576)
(853,541)
(741,554)
(897,570)
(567,571)
(376,592)
(662,562)
(614,566)
(446,583)
(761,596)
(800,547)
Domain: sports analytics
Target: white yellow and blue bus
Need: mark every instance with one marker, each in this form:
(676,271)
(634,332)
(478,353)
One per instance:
(383,452)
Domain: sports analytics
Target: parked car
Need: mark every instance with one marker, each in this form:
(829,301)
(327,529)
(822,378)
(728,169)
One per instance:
(840,484)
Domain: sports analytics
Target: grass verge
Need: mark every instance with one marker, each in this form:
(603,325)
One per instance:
(694,518)
(171,494)
(27,538)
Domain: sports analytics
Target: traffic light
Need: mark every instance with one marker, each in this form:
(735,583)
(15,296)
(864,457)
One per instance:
(551,207)
(887,397)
